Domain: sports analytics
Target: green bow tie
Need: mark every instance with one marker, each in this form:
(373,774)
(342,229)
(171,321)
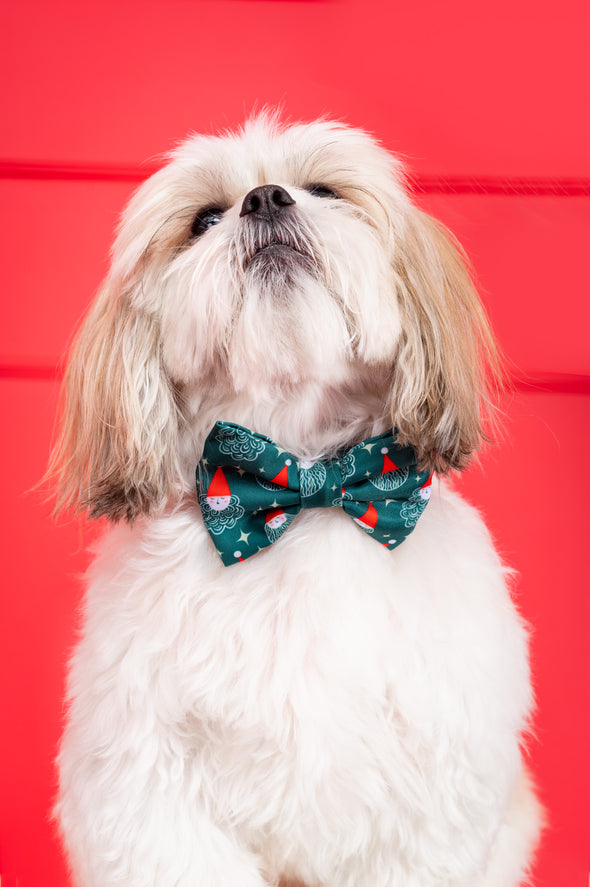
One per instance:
(250,489)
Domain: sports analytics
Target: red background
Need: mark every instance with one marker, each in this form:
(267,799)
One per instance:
(489,104)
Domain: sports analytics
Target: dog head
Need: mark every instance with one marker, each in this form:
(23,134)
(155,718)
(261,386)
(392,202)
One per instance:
(281,277)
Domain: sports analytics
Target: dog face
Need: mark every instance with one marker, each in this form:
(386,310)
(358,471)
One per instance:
(267,257)
(263,267)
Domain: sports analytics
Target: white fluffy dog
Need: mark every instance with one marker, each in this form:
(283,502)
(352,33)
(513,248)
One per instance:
(327,712)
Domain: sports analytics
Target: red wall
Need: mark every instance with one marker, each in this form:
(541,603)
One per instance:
(489,103)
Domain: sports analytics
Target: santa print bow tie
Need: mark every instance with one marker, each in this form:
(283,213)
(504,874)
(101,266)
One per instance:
(250,489)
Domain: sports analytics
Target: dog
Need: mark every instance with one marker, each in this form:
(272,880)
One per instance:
(331,708)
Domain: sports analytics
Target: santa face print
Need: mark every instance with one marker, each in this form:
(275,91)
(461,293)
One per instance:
(218,503)
(415,505)
(221,513)
(275,522)
(219,494)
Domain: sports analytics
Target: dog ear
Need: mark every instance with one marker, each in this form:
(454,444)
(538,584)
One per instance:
(116,452)
(447,360)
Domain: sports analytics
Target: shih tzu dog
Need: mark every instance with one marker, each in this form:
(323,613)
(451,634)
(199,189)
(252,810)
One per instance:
(303,668)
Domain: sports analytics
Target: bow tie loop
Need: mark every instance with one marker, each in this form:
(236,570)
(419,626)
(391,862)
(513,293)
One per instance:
(250,489)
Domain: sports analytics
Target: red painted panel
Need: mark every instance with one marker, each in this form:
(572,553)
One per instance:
(56,240)
(463,90)
(460,87)
(526,253)
(533,489)
(41,564)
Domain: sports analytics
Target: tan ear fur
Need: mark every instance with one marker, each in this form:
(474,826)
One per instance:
(115,454)
(447,360)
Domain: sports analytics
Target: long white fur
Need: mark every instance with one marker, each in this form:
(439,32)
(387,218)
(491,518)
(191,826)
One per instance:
(327,713)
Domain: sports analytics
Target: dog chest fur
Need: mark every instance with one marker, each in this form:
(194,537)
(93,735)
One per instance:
(343,690)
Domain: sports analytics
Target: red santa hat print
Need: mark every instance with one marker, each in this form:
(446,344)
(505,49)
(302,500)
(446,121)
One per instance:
(219,493)
(368,520)
(282,478)
(388,464)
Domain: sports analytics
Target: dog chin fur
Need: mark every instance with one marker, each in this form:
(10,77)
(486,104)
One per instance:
(327,713)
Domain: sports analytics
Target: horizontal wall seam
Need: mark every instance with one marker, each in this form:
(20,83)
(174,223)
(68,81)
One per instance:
(525,186)
(552,383)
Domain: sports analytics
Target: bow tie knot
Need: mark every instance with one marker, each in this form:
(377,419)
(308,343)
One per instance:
(311,474)
(250,489)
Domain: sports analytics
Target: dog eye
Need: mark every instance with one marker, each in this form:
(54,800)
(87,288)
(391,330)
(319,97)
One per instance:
(322,191)
(205,220)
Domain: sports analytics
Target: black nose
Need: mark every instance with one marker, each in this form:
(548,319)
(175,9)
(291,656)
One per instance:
(266,201)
